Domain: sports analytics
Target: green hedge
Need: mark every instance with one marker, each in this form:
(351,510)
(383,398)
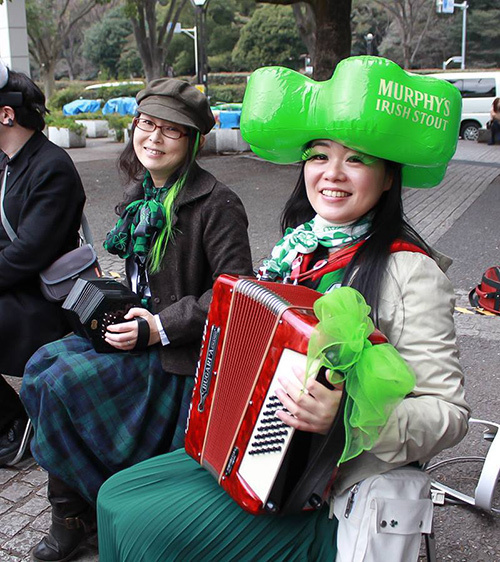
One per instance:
(228,78)
(67,95)
(229,93)
(64,96)
(223,87)
(57,119)
(118,123)
(115,121)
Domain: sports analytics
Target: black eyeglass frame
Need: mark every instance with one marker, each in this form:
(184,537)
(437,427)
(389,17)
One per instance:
(138,120)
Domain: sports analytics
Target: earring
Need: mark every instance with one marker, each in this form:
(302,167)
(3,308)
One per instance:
(10,123)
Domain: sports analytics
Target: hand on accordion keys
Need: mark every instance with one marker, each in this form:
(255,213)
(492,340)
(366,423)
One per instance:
(126,335)
(312,407)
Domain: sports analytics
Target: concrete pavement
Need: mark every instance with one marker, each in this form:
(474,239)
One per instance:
(456,217)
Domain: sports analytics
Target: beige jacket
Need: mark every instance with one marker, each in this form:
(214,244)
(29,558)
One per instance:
(416,314)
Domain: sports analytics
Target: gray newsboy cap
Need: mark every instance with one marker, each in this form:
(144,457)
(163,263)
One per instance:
(177,101)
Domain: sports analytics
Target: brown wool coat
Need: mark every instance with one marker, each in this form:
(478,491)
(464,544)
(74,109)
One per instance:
(211,238)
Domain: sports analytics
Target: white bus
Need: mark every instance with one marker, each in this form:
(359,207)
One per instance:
(478,90)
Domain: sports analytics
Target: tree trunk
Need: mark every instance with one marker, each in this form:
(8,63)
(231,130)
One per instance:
(333,35)
(154,69)
(306,24)
(47,71)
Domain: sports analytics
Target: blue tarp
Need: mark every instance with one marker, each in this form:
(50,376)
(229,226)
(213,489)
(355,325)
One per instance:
(81,106)
(123,106)
(229,119)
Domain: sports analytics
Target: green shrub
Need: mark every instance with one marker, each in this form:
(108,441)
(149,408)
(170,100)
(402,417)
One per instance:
(118,123)
(229,93)
(77,91)
(64,96)
(227,78)
(95,115)
(221,62)
(109,92)
(60,121)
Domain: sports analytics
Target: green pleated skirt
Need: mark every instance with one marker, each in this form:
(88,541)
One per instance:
(168,508)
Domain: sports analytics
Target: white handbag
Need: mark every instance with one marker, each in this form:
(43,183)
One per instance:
(382,518)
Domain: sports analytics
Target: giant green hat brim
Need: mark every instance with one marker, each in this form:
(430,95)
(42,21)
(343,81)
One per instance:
(370,104)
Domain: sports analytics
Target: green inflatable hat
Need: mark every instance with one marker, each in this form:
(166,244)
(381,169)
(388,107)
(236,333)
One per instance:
(369,104)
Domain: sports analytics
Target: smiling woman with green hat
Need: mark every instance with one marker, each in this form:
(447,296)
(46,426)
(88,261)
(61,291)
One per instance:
(179,228)
(344,235)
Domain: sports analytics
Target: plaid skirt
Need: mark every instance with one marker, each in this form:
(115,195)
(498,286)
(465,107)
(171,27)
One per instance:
(95,414)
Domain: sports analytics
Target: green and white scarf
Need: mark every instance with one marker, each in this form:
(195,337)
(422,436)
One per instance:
(141,221)
(307,237)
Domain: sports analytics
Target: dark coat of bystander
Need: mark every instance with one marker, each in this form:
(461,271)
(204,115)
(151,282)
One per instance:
(43,203)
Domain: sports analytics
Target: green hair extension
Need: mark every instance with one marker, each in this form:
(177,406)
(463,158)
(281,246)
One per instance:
(157,252)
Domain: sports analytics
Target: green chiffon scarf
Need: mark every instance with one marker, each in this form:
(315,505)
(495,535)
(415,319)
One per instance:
(376,377)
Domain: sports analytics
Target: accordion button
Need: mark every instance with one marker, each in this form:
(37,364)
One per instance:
(156,300)
(173,298)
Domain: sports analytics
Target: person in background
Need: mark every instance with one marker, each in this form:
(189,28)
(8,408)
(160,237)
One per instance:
(495,120)
(42,199)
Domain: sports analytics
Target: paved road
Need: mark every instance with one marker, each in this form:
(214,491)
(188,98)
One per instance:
(460,218)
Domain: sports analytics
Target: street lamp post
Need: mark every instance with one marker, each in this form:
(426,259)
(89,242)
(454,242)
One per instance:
(193,34)
(200,7)
(448,7)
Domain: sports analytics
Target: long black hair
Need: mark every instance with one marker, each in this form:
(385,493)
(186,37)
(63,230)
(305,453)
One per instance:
(366,270)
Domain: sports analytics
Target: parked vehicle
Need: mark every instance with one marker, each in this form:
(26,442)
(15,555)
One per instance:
(478,90)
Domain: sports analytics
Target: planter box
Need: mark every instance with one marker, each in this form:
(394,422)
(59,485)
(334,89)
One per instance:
(96,128)
(114,134)
(225,140)
(66,138)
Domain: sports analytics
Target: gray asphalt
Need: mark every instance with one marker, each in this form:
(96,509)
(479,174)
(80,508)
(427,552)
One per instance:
(460,218)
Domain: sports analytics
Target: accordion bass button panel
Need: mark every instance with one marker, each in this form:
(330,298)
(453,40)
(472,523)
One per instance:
(270,437)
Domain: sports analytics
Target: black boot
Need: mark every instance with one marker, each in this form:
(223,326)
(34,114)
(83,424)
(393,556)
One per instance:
(73,522)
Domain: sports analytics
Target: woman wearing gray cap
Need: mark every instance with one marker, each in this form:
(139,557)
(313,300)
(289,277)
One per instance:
(179,228)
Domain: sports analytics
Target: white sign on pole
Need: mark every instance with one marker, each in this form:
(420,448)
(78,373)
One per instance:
(177,27)
(448,6)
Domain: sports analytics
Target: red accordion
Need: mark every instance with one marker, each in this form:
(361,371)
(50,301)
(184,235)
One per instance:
(255,332)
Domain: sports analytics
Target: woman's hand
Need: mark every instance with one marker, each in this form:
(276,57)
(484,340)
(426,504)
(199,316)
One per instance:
(124,336)
(311,410)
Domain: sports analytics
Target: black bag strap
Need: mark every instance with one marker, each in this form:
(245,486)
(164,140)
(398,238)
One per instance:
(11,233)
(492,282)
(86,235)
(86,232)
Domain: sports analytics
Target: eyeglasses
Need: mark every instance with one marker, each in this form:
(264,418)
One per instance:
(166,130)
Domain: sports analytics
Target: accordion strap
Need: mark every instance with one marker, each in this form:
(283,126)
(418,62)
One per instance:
(142,335)
(339,260)
(313,487)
